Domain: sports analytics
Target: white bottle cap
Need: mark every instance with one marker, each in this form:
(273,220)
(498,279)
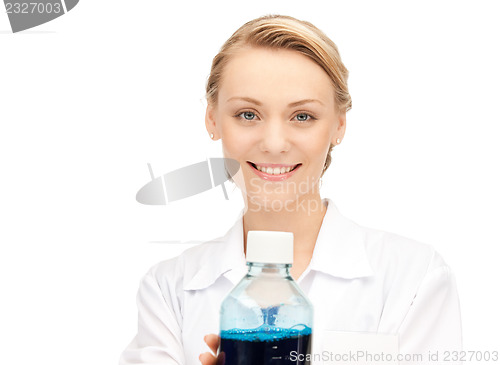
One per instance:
(270,247)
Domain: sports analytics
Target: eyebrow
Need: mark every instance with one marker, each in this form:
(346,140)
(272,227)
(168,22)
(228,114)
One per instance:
(295,103)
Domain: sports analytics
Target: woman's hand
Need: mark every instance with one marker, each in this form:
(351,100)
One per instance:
(207,358)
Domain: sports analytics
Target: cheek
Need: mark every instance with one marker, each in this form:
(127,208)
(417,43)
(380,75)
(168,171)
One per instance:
(318,157)
(316,147)
(234,141)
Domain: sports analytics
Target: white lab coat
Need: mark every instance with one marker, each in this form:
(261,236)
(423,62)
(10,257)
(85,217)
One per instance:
(359,280)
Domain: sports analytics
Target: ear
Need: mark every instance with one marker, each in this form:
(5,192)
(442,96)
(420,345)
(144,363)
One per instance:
(339,131)
(210,118)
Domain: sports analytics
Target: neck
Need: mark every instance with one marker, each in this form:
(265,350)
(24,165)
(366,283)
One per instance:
(302,217)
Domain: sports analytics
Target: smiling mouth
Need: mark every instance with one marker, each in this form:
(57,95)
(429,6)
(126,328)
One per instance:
(276,169)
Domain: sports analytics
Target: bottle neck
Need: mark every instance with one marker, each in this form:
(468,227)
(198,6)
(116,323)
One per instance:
(260,269)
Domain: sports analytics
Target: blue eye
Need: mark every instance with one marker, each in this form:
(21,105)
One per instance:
(304,117)
(246,115)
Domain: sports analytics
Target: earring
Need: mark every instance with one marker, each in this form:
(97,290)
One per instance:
(338,141)
(212,135)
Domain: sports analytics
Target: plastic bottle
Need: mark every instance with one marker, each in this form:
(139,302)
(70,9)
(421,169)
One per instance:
(266,319)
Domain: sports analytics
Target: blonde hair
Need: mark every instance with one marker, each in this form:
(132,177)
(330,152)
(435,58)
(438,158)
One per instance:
(285,32)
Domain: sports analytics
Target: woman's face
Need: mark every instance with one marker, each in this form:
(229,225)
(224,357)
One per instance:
(276,112)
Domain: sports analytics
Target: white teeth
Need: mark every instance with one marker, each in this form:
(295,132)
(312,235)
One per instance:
(275,170)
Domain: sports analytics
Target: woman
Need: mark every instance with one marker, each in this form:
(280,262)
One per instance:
(277,98)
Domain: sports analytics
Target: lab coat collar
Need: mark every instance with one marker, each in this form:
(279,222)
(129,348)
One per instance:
(340,251)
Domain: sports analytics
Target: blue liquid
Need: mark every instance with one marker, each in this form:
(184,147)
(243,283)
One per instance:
(266,346)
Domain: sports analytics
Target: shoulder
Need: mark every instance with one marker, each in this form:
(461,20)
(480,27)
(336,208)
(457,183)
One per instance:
(385,252)
(202,264)
(388,247)
(181,269)
(402,262)
(197,252)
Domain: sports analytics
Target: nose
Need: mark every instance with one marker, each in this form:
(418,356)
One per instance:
(275,138)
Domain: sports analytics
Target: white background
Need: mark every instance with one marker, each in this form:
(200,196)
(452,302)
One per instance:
(87,100)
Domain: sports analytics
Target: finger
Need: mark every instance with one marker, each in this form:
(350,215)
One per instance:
(221,359)
(207,359)
(213,342)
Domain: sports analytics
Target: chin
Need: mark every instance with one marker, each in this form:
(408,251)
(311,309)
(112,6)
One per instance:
(273,202)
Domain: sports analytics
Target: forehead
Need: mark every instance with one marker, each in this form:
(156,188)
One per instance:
(275,75)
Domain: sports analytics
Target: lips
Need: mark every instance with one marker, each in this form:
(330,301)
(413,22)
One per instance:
(274,171)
